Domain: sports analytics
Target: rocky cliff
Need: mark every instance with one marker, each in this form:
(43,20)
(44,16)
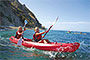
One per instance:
(13,13)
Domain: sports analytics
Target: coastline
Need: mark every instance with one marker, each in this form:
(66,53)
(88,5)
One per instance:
(3,28)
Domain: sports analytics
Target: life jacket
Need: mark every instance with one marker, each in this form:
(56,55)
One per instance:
(38,37)
(18,35)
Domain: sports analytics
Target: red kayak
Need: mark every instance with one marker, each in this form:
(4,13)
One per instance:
(53,46)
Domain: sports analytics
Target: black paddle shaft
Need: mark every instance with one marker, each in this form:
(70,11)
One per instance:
(48,31)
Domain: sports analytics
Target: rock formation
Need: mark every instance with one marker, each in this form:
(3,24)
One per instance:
(13,13)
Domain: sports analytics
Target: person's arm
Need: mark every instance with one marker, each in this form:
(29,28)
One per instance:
(20,33)
(24,28)
(41,33)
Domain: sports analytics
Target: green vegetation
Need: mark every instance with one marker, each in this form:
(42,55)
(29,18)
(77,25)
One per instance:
(27,9)
(22,17)
(19,10)
(15,8)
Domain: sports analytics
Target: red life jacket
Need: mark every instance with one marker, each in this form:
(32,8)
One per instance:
(18,35)
(38,37)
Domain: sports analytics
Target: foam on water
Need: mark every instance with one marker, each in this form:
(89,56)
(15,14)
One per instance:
(85,47)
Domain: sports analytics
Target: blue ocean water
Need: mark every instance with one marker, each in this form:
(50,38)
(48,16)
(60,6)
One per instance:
(10,51)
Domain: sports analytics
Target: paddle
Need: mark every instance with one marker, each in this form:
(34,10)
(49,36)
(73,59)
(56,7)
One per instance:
(25,23)
(20,40)
(51,27)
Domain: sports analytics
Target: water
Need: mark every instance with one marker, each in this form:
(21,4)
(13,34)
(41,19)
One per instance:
(10,51)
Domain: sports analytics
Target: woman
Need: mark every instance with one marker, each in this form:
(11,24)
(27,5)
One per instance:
(38,36)
(20,32)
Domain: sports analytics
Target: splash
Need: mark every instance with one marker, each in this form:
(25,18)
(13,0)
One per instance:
(28,49)
(85,47)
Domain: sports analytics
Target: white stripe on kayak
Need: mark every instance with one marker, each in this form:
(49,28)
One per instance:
(40,44)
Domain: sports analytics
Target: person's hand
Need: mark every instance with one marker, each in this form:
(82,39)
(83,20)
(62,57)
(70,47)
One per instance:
(47,31)
(24,28)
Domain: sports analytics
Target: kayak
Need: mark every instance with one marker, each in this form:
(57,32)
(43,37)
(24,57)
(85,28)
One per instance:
(53,46)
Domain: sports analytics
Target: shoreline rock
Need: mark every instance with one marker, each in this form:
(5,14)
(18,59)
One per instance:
(13,13)
(2,28)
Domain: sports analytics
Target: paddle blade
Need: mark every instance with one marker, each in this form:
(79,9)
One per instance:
(55,20)
(19,42)
(25,22)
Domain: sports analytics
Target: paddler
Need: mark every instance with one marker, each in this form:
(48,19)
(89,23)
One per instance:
(38,36)
(20,32)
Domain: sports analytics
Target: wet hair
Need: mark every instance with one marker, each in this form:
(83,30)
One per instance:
(19,27)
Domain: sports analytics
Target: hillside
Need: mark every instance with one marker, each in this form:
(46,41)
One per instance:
(13,13)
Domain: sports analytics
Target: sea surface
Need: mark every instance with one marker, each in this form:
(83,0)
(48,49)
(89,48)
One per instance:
(10,51)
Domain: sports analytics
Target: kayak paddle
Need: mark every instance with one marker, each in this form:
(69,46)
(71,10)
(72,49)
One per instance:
(51,26)
(20,40)
(25,23)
